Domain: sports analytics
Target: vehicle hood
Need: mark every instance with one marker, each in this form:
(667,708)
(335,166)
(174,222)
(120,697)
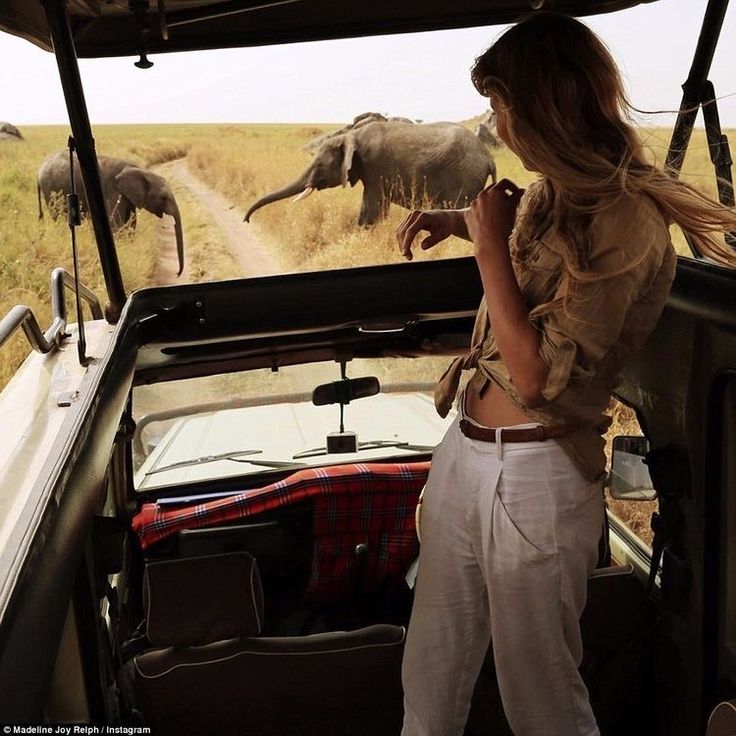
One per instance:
(280,431)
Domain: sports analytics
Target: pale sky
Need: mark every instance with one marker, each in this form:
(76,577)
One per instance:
(421,76)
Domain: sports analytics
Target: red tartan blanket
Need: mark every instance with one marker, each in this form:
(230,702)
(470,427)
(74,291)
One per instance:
(352,504)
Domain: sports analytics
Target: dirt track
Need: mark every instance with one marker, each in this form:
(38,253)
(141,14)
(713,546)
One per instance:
(227,229)
(241,238)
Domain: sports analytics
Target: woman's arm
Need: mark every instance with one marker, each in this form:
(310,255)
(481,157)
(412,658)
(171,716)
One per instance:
(488,223)
(489,220)
(439,223)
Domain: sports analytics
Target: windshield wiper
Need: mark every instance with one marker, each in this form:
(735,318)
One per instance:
(206,459)
(272,463)
(370,445)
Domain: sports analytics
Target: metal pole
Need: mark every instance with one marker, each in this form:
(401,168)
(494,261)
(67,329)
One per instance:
(66,58)
(693,88)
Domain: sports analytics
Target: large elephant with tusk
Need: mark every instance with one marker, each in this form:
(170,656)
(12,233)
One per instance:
(428,165)
(126,187)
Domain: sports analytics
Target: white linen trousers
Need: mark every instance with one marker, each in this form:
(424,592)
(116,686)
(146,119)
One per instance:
(509,535)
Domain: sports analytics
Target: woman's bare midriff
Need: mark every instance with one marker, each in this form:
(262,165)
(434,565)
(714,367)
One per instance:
(494,409)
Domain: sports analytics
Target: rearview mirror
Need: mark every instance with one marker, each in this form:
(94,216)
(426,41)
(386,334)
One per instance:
(629,479)
(345,390)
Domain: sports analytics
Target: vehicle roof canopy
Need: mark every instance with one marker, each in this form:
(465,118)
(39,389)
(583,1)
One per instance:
(123,27)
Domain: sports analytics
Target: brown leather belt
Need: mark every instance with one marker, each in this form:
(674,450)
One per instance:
(530,434)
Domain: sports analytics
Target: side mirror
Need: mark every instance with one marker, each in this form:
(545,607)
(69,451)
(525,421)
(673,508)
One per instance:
(345,390)
(629,479)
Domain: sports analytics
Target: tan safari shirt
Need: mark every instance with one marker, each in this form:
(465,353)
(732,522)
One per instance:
(586,341)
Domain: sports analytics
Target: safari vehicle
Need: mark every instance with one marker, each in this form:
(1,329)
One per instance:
(133,539)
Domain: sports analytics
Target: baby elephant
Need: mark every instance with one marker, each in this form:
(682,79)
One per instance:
(125,187)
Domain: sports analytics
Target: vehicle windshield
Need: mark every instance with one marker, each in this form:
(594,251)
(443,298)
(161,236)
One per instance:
(246,423)
(247,131)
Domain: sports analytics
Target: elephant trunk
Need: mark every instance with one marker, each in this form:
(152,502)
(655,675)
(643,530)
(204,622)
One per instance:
(296,187)
(179,238)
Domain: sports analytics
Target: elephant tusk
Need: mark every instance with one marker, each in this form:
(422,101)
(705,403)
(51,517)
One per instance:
(303,194)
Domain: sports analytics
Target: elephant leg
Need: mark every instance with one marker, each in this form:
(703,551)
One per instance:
(123,214)
(373,208)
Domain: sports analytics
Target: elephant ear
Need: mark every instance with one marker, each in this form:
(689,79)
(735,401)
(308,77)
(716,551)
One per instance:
(133,183)
(349,162)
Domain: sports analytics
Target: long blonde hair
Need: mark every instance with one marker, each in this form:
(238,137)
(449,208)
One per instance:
(570,120)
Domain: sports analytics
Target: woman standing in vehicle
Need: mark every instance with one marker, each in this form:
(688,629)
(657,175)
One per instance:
(576,271)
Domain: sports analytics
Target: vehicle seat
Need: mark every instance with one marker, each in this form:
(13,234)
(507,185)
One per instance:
(368,504)
(211,672)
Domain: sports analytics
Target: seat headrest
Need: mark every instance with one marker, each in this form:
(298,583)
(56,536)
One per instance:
(199,600)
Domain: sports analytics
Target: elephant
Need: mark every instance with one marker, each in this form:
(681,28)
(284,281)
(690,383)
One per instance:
(434,164)
(486,129)
(8,131)
(125,187)
(358,121)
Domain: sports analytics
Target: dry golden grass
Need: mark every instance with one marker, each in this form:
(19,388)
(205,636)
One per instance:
(245,162)
(319,232)
(242,162)
(31,248)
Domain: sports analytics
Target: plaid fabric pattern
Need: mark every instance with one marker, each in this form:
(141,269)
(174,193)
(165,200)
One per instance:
(371,504)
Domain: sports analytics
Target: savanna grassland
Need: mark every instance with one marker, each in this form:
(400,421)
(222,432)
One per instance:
(31,247)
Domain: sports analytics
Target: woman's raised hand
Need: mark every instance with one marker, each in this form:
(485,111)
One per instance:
(491,216)
(440,224)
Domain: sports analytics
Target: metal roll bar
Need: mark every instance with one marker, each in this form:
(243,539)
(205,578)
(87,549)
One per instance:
(694,90)
(22,316)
